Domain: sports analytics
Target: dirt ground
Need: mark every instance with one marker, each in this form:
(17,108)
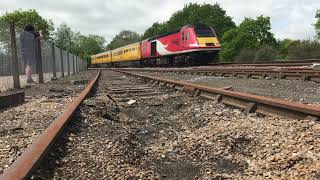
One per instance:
(176,136)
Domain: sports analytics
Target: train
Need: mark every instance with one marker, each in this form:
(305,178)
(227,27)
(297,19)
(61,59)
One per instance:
(193,44)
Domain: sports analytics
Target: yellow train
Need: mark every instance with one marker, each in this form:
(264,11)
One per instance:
(130,52)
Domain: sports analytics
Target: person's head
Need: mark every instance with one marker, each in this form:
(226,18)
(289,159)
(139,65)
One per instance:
(29,27)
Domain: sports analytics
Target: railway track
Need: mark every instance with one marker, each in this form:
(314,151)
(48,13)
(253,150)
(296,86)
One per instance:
(140,127)
(290,63)
(253,73)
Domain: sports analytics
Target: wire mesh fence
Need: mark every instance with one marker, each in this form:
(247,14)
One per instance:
(22,54)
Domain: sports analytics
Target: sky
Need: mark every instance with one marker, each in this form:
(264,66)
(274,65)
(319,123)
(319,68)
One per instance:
(289,18)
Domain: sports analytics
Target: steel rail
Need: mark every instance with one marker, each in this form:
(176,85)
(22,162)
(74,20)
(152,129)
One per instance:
(270,63)
(249,102)
(306,75)
(32,155)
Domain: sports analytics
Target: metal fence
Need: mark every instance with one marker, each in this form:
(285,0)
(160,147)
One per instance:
(51,62)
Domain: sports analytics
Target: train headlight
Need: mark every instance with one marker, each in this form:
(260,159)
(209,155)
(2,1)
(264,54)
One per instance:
(194,45)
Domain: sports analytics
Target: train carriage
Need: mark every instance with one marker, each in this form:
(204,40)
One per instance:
(126,54)
(102,58)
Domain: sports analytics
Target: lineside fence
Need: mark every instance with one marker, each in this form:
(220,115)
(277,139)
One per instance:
(50,62)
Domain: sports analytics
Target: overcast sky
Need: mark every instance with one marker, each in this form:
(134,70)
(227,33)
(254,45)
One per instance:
(289,18)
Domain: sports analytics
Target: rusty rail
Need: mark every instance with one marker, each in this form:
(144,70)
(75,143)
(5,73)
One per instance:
(30,158)
(254,73)
(249,102)
(305,62)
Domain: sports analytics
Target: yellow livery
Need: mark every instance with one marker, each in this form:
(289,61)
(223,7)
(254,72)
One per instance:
(130,52)
(104,57)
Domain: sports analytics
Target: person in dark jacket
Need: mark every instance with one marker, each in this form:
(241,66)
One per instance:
(28,39)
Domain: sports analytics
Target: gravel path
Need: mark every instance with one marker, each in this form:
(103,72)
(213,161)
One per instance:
(176,136)
(20,125)
(294,90)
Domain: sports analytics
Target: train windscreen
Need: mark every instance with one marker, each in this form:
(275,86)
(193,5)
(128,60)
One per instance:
(204,32)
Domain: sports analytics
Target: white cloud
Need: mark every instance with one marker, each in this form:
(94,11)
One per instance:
(289,18)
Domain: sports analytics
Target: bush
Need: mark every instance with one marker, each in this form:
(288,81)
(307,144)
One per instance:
(266,53)
(245,55)
(305,49)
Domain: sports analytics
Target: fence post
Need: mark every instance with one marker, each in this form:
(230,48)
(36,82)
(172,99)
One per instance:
(68,59)
(61,57)
(39,61)
(14,56)
(76,64)
(54,71)
(73,64)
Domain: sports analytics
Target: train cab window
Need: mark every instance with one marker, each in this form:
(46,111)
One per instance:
(187,36)
(204,32)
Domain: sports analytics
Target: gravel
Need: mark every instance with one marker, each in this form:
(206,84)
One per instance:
(176,136)
(20,125)
(291,90)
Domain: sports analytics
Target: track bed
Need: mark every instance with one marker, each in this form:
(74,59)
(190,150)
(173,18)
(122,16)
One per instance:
(169,134)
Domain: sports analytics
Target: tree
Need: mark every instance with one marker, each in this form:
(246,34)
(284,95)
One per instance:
(246,55)
(85,46)
(266,53)
(123,38)
(317,25)
(283,46)
(155,29)
(211,15)
(305,49)
(63,37)
(22,18)
(250,34)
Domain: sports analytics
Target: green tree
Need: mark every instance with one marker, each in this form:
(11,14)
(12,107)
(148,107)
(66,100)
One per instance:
(22,18)
(305,49)
(283,46)
(212,15)
(63,37)
(155,29)
(317,25)
(85,46)
(123,38)
(250,34)
(266,53)
(246,55)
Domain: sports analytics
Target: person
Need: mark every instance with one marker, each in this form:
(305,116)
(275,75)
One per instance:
(28,39)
